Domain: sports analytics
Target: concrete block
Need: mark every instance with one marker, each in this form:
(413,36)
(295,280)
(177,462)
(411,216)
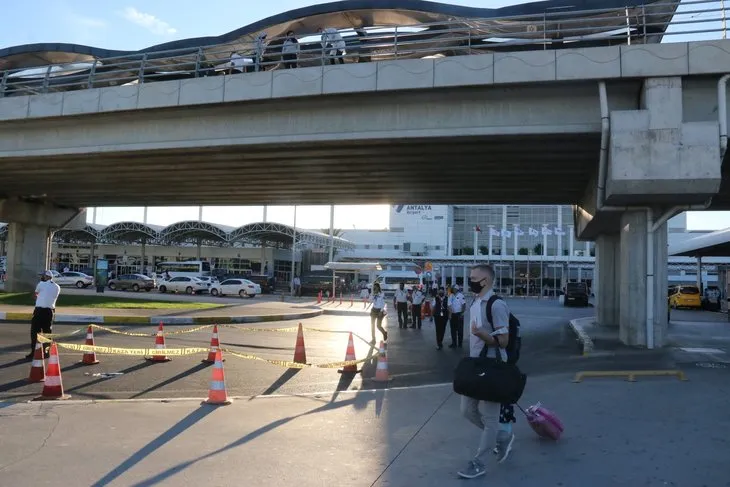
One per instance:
(14,107)
(297,82)
(405,74)
(46,105)
(709,56)
(655,60)
(81,101)
(527,66)
(663,100)
(116,98)
(350,78)
(589,63)
(159,95)
(248,86)
(199,91)
(464,70)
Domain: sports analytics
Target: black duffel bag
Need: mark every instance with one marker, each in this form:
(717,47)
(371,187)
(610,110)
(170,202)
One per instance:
(489,379)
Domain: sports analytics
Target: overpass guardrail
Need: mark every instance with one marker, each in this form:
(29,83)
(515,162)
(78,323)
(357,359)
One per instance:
(664,21)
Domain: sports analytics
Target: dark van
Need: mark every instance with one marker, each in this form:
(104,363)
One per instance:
(576,294)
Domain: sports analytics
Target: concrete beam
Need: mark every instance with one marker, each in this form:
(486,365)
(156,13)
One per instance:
(41,214)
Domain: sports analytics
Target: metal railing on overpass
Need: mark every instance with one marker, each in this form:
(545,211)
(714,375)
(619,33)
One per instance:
(665,21)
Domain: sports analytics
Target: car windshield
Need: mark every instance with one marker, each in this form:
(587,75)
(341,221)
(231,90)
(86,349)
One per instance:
(689,290)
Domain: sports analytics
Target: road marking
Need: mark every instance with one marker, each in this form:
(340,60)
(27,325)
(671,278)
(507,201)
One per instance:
(630,374)
(702,350)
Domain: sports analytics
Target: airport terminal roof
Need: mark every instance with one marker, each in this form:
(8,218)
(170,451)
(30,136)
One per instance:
(579,21)
(715,244)
(271,234)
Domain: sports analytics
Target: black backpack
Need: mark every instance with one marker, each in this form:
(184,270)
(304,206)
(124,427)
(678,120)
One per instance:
(514,342)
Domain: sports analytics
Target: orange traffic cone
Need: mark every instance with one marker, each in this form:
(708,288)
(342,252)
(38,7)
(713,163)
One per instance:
(53,387)
(381,373)
(38,367)
(349,355)
(214,346)
(300,354)
(89,358)
(159,345)
(217,394)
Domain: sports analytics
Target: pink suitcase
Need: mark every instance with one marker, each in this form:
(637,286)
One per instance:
(543,421)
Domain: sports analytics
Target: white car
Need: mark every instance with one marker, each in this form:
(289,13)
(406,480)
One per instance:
(242,287)
(78,279)
(188,285)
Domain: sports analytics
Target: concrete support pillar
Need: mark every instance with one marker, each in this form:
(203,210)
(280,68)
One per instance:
(606,280)
(29,250)
(30,227)
(633,279)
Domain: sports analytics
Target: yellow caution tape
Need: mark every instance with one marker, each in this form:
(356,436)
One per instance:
(246,328)
(147,352)
(296,365)
(176,332)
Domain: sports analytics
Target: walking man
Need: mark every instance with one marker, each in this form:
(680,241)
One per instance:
(333,44)
(416,308)
(401,305)
(440,317)
(480,282)
(46,294)
(456,306)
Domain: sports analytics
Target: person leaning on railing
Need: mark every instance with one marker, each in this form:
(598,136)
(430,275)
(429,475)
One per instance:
(333,45)
(290,51)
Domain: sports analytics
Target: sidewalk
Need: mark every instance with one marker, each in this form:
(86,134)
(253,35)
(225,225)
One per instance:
(248,313)
(616,434)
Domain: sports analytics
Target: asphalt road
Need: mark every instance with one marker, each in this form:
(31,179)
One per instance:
(548,347)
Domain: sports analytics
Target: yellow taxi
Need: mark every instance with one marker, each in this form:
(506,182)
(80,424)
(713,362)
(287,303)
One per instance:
(685,297)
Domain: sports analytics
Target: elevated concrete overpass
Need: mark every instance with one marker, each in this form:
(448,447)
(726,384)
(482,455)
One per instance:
(630,134)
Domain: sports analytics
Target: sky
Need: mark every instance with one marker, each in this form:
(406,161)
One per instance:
(135,24)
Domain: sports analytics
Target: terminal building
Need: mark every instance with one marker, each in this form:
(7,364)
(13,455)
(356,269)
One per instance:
(532,247)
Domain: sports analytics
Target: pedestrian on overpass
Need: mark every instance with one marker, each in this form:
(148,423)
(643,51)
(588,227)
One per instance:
(333,45)
(401,305)
(46,294)
(418,298)
(440,317)
(377,312)
(457,302)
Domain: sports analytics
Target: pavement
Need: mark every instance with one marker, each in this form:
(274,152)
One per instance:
(617,433)
(314,427)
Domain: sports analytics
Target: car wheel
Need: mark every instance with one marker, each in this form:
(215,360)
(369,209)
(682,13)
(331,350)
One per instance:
(251,296)
(189,290)
(148,289)
(80,285)
(113,286)
(242,293)
(214,292)
(163,289)
(135,287)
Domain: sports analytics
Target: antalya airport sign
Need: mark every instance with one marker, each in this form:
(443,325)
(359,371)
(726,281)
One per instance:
(423,212)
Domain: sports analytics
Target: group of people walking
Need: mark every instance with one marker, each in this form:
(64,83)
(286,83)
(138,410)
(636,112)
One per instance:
(489,336)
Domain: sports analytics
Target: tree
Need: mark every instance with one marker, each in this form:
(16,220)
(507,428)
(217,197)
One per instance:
(467,251)
(483,249)
(523,251)
(538,249)
(336,232)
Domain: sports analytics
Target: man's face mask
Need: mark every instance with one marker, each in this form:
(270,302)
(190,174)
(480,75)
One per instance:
(476,286)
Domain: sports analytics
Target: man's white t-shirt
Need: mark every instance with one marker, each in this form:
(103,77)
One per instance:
(418,298)
(401,296)
(457,302)
(378,300)
(46,294)
(500,318)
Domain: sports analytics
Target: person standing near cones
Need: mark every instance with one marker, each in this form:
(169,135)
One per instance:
(377,312)
(46,294)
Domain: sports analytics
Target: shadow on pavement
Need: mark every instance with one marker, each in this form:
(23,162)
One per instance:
(283,379)
(155,444)
(13,385)
(359,401)
(175,378)
(14,363)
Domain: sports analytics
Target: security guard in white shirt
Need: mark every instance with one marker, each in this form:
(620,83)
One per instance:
(418,298)
(401,305)
(456,320)
(46,294)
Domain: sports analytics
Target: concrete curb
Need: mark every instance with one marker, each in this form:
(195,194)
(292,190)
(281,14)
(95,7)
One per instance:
(167,320)
(343,312)
(577,325)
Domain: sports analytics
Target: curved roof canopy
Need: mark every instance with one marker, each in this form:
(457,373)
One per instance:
(715,244)
(567,18)
(272,234)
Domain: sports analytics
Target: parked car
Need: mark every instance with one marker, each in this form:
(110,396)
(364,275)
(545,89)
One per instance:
(188,285)
(576,294)
(78,279)
(685,297)
(209,279)
(242,287)
(135,282)
(265,282)
(312,284)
